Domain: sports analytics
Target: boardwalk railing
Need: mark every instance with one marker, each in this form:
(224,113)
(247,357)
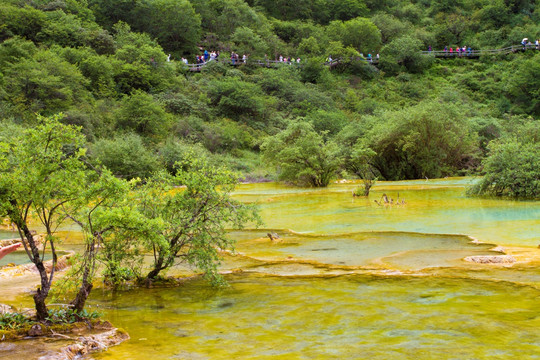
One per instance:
(271,63)
(473,54)
(478,53)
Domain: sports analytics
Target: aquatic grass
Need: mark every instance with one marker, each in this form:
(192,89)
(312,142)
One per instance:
(13,321)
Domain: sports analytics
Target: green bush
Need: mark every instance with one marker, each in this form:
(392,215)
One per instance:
(13,321)
(512,170)
(126,156)
(428,140)
(302,156)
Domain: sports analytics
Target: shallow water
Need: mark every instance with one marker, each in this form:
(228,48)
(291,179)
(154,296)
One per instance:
(347,317)
(5,234)
(20,257)
(412,251)
(334,298)
(438,206)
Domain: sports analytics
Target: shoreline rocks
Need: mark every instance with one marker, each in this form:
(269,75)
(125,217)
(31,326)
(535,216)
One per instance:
(64,341)
(88,344)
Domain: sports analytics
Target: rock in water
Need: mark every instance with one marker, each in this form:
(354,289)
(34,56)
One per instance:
(35,330)
(491,259)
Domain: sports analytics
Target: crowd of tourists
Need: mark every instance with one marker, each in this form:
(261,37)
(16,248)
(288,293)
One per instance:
(527,43)
(466,50)
(458,50)
(237,59)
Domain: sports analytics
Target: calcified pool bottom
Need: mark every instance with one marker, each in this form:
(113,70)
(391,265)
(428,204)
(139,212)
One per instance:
(354,280)
(345,317)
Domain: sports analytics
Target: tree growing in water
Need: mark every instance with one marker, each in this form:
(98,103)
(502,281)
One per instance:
(512,170)
(302,155)
(192,218)
(40,172)
(359,163)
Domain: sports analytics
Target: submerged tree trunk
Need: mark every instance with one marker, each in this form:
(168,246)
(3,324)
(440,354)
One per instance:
(33,252)
(158,266)
(88,267)
(82,296)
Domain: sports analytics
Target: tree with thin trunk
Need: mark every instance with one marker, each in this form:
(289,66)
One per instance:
(41,171)
(193,217)
(302,155)
(99,211)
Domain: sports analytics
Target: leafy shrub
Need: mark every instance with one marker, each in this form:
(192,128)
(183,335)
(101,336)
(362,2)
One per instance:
(512,170)
(126,156)
(302,155)
(12,321)
(70,316)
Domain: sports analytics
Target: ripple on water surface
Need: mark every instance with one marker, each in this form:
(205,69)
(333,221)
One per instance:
(408,251)
(353,317)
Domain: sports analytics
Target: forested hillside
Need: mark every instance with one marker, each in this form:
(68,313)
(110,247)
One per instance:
(114,67)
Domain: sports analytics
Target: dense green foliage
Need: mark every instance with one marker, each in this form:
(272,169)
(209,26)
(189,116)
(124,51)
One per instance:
(302,155)
(513,167)
(45,174)
(41,171)
(104,65)
(16,321)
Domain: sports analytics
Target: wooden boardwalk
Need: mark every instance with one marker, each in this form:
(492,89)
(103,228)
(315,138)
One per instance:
(268,63)
(439,54)
(475,54)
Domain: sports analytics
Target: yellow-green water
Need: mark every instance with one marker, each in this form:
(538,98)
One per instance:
(349,279)
(346,317)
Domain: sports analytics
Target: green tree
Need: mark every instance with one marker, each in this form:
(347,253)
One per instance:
(14,49)
(246,41)
(302,156)
(348,9)
(390,26)
(143,115)
(511,170)
(404,54)
(523,84)
(173,22)
(359,33)
(25,22)
(126,156)
(359,162)
(104,214)
(310,47)
(193,217)
(110,12)
(45,84)
(512,166)
(236,98)
(41,172)
(427,140)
